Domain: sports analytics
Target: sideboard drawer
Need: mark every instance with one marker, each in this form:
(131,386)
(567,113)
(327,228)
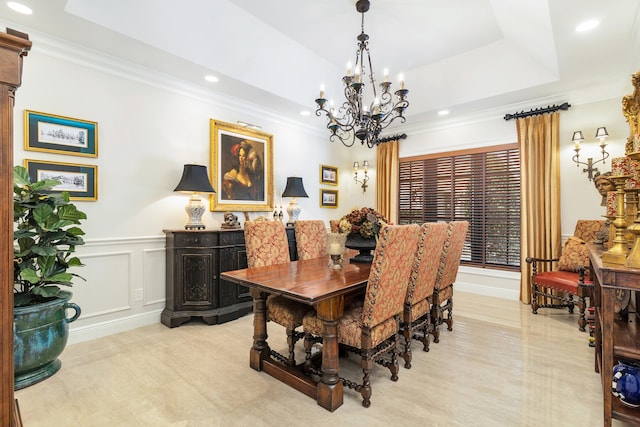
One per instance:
(195,239)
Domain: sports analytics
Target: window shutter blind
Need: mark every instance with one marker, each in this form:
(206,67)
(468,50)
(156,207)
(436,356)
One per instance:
(480,186)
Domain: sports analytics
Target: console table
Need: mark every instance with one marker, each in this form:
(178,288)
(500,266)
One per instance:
(615,338)
(194,288)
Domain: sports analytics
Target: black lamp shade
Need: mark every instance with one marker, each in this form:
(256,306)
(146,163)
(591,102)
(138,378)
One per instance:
(195,179)
(294,188)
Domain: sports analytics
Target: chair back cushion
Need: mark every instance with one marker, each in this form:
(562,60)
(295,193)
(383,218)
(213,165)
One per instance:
(266,243)
(311,238)
(334,225)
(431,240)
(390,272)
(448,270)
(587,229)
(574,255)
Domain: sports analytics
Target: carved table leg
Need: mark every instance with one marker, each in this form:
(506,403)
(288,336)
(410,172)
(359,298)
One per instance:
(330,389)
(260,349)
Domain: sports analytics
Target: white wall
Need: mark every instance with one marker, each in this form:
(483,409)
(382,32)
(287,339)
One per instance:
(150,125)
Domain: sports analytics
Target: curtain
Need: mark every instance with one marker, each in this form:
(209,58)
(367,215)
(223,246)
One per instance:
(540,228)
(387,180)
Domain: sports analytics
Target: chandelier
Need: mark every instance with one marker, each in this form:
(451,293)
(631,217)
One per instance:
(359,118)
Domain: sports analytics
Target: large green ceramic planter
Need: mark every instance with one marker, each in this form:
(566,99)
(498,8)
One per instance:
(40,334)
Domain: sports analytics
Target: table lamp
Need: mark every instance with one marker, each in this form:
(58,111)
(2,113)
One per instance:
(195,179)
(293,189)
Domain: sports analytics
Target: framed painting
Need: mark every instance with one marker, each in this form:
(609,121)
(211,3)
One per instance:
(328,175)
(242,168)
(59,134)
(80,181)
(328,198)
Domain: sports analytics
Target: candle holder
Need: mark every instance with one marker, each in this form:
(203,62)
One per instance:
(618,249)
(633,259)
(335,249)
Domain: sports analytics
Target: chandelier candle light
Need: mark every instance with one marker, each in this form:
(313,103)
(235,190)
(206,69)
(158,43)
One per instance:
(359,118)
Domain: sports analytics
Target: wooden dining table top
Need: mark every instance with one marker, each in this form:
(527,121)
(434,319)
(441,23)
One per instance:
(307,281)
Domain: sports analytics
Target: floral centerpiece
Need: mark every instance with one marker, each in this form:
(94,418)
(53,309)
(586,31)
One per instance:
(362,227)
(366,222)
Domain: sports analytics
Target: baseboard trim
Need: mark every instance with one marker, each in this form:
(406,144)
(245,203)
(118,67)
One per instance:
(103,329)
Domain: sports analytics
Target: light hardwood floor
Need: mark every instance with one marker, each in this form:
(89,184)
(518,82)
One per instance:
(500,366)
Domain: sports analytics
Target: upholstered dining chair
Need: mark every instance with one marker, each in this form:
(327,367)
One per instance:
(266,243)
(371,329)
(447,274)
(417,303)
(311,238)
(557,287)
(334,225)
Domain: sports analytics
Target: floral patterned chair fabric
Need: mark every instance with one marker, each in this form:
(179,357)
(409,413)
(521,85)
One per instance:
(311,238)
(266,243)
(417,304)
(558,288)
(371,328)
(587,229)
(334,225)
(447,273)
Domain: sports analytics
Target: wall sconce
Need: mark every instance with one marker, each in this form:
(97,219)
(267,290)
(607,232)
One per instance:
(365,167)
(195,179)
(577,138)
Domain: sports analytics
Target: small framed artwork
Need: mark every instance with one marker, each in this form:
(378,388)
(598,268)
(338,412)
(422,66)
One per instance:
(328,198)
(59,134)
(80,181)
(328,175)
(242,168)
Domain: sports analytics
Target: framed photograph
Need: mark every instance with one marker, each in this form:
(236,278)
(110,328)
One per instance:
(241,168)
(328,175)
(59,134)
(81,181)
(328,198)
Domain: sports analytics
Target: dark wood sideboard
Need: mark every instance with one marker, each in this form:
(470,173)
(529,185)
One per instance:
(616,338)
(194,261)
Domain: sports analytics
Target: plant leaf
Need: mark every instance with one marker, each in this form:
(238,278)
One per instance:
(30,275)
(20,176)
(46,291)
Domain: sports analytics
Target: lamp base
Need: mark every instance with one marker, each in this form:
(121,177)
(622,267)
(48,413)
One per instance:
(293,210)
(195,210)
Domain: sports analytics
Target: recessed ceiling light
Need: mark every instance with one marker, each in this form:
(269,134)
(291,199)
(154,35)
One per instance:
(305,112)
(443,112)
(211,78)
(19,7)
(587,25)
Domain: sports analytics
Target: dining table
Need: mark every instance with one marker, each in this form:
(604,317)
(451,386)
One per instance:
(314,283)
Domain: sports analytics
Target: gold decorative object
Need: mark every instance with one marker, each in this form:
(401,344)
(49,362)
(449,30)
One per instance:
(618,249)
(633,260)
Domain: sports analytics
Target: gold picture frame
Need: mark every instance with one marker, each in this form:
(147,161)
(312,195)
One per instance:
(79,180)
(328,198)
(60,134)
(242,168)
(328,175)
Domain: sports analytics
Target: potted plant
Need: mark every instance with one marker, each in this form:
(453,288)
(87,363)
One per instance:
(362,227)
(45,237)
